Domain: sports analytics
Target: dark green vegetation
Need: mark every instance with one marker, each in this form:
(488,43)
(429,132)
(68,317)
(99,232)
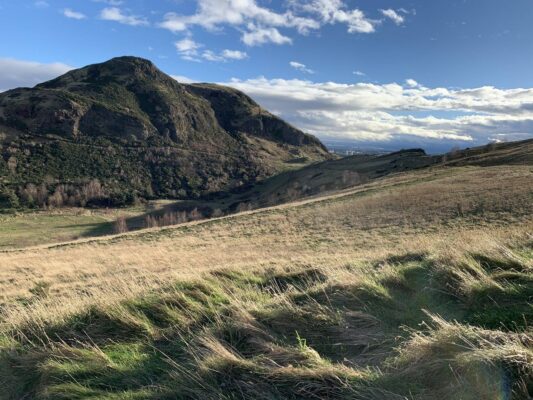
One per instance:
(309,181)
(139,134)
(407,327)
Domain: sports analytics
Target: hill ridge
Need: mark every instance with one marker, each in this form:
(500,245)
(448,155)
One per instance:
(164,139)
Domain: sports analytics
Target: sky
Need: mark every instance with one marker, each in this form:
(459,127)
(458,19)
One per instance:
(385,74)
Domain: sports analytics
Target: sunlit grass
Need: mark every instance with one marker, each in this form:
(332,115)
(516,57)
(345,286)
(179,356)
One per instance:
(409,288)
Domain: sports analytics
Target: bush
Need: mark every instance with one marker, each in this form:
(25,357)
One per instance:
(8,198)
(120,225)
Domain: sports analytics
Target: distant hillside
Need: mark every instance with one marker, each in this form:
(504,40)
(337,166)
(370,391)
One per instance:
(355,170)
(110,132)
(510,153)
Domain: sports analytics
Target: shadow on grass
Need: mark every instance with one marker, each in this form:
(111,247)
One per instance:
(276,335)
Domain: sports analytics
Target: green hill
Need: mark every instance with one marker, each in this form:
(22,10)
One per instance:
(110,132)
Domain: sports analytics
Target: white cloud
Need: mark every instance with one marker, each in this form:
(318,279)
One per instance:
(224,56)
(213,13)
(67,12)
(187,45)
(359,73)
(335,11)
(234,54)
(393,15)
(301,67)
(259,24)
(117,15)
(210,55)
(17,73)
(258,36)
(189,50)
(391,113)
(411,83)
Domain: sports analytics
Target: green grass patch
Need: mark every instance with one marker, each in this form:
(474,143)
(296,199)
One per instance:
(31,229)
(397,331)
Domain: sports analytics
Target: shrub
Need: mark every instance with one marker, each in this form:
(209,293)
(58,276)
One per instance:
(8,198)
(120,225)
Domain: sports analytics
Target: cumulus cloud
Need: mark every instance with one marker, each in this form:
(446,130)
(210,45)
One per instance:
(234,54)
(260,24)
(335,11)
(117,15)
(258,36)
(190,50)
(301,67)
(372,113)
(411,83)
(17,73)
(223,56)
(213,13)
(67,12)
(393,16)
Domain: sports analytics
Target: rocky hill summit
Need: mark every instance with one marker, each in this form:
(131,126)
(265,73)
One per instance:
(141,133)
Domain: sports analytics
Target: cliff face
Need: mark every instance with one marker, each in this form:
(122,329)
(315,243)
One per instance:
(137,129)
(236,112)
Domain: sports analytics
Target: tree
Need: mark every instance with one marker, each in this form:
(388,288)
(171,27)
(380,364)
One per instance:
(195,214)
(8,198)
(150,222)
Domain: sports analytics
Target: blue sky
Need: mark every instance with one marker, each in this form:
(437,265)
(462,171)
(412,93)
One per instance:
(379,73)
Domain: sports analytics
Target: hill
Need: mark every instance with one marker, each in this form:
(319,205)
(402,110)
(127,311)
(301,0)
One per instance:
(332,175)
(314,181)
(110,132)
(510,153)
(417,285)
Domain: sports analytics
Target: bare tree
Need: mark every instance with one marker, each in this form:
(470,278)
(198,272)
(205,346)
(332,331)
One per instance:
(120,225)
(217,213)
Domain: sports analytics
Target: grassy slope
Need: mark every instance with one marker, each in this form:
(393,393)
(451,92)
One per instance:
(346,172)
(30,229)
(296,182)
(140,133)
(33,228)
(350,296)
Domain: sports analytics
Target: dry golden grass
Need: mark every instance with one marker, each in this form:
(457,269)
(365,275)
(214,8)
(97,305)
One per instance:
(416,286)
(412,213)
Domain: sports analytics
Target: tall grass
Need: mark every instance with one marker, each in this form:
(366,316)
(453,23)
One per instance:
(383,292)
(411,326)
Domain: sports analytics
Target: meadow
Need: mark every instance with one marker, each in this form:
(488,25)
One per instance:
(414,286)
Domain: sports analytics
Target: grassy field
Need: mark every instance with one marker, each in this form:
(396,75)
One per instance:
(414,286)
(32,228)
